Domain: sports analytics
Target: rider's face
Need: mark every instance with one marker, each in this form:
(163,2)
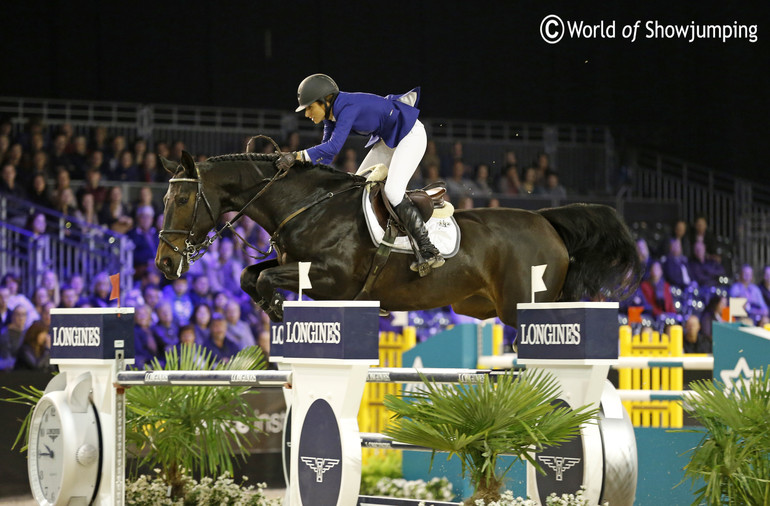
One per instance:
(315,112)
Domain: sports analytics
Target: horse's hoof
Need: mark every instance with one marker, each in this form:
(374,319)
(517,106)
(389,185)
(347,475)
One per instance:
(384,312)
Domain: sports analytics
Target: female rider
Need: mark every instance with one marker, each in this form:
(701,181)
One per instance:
(397,138)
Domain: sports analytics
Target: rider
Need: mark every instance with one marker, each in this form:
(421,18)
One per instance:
(397,136)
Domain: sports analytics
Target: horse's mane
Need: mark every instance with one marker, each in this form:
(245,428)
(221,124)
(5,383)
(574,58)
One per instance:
(271,157)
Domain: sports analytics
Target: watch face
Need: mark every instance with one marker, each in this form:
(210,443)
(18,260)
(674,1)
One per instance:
(48,453)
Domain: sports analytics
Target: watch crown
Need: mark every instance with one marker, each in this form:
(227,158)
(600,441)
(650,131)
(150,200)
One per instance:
(86,454)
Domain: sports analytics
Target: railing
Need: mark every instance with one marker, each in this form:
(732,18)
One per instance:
(583,153)
(69,247)
(736,210)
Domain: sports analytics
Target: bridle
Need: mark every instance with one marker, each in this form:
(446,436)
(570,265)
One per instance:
(193,251)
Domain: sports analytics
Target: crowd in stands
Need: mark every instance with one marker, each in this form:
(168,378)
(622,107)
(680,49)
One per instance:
(684,278)
(686,281)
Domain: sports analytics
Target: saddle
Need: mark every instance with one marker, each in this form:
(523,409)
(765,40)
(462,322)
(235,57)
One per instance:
(429,200)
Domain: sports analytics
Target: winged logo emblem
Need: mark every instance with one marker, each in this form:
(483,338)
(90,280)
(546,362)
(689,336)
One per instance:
(319,466)
(558,464)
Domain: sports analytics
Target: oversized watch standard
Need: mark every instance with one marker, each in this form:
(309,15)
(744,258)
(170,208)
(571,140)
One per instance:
(65,444)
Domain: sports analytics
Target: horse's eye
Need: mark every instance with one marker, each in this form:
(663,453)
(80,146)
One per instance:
(182,201)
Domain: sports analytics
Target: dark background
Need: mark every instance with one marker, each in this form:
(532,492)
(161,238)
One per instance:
(705,101)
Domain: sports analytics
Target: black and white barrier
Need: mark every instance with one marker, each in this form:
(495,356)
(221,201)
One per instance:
(324,350)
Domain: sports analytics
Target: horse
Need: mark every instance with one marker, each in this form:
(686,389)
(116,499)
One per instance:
(313,214)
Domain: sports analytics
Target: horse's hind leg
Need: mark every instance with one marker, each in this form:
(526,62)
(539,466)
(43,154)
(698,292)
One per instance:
(249,277)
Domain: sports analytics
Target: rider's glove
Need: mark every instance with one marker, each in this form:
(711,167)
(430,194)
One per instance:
(285,161)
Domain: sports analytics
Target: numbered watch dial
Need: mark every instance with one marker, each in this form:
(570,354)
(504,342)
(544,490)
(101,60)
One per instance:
(49,453)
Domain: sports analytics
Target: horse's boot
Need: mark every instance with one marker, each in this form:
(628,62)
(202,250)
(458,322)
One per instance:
(429,256)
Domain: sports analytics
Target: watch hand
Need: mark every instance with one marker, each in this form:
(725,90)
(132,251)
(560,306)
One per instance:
(50,452)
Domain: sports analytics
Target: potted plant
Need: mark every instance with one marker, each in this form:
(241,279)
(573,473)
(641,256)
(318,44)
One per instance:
(731,464)
(480,422)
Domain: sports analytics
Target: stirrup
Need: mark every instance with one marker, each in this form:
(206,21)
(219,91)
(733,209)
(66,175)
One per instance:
(423,266)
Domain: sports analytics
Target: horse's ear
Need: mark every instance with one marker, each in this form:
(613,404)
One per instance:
(188,163)
(168,165)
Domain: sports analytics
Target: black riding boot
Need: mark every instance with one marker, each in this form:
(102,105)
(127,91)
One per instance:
(411,219)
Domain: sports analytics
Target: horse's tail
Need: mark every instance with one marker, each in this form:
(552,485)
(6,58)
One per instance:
(603,258)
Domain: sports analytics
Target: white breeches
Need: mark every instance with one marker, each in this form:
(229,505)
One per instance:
(401,161)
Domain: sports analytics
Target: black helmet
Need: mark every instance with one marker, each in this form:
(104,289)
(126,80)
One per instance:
(315,87)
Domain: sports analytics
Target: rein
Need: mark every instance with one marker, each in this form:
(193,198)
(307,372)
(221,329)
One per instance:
(193,251)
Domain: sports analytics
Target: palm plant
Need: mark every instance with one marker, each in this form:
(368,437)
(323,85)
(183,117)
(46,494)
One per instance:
(733,457)
(478,423)
(187,429)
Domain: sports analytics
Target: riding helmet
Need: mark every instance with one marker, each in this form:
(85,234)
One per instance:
(315,87)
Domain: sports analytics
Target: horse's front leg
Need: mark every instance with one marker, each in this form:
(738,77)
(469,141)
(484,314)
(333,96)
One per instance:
(287,277)
(249,277)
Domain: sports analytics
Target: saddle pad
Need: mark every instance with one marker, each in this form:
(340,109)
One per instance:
(444,233)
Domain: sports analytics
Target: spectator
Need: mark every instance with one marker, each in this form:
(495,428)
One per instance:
(482,181)
(755,303)
(226,273)
(51,284)
(112,168)
(459,185)
(11,282)
(162,149)
(100,291)
(637,299)
(39,165)
(59,157)
(5,311)
(764,285)
(145,239)
(643,250)
(95,162)
(675,268)
(152,295)
(657,291)
(78,284)
(69,298)
(187,335)
(551,186)
(238,330)
(510,184)
(701,233)
(145,346)
(542,166)
(528,181)
(704,270)
(126,167)
(465,202)
(9,185)
(222,348)
(94,188)
(680,232)
(34,353)
(712,313)
(114,213)
(79,157)
(695,341)
(221,299)
(99,139)
(89,215)
(201,320)
(12,335)
(146,198)
(66,203)
(201,291)
(151,172)
(166,331)
(39,193)
(139,149)
(181,304)
(431,174)
(40,299)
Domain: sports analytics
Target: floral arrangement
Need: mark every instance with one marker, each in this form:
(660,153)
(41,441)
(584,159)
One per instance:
(222,491)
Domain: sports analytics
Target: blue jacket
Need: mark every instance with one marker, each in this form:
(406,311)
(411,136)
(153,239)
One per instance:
(382,118)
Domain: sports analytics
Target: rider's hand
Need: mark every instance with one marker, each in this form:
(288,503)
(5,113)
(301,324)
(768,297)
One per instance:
(285,161)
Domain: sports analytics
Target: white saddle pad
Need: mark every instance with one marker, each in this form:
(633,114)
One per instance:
(444,233)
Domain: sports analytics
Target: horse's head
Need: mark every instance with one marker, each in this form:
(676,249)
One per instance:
(187,218)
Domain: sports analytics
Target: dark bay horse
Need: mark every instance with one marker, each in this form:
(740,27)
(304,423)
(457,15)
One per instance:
(313,214)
